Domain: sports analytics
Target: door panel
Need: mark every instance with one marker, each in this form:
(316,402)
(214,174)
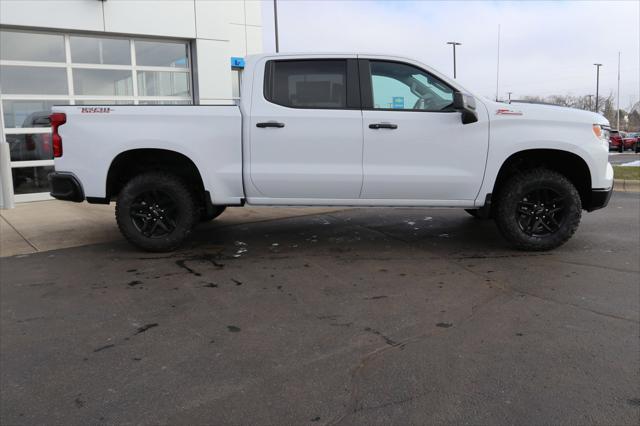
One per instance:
(317,152)
(415,145)
(429,156)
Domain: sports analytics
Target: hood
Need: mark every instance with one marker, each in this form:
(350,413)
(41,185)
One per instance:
(544,112)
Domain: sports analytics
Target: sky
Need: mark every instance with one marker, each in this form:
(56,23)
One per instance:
(546,47)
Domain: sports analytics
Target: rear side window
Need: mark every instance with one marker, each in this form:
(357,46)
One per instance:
(318,84)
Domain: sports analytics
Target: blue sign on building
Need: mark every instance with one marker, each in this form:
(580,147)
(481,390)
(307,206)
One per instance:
(237,63)
(398,102)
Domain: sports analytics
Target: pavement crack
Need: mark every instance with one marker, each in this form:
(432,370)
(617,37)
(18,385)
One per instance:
(20,233)
(573,305)
(352,406)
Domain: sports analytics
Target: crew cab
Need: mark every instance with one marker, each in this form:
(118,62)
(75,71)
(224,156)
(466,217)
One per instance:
(336,130)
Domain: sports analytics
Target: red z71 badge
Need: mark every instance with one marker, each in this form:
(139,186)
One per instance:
(505,111)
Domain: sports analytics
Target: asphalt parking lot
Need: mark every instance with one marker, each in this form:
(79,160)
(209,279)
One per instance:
(617,159)
(364,316)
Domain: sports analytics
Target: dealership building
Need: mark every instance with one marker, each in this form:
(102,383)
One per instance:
(116,52)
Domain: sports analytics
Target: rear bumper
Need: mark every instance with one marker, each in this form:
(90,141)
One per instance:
(65,186)
(599,199)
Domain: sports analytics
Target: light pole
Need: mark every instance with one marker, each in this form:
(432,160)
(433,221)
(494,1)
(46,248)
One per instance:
(618,106)
(597,83)
(275,22)
(454,44)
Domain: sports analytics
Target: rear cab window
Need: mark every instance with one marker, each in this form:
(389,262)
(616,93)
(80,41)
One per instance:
(312,83)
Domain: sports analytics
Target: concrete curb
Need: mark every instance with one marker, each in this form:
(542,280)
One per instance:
(626,185)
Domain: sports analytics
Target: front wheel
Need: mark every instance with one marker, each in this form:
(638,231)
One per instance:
(538,210)
(155,211)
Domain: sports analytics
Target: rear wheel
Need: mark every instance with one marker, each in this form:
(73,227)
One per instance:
(538,210)
(155,211)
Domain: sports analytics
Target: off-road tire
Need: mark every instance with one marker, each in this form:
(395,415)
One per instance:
(508,217)
(180,198)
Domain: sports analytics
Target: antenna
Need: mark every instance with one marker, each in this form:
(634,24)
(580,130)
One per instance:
(498,66)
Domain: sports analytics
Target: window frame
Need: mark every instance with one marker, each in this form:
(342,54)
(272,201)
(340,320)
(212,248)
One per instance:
(366,87)
(352,101)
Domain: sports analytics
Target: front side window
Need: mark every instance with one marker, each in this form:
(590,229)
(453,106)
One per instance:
(405,87)
(307,83)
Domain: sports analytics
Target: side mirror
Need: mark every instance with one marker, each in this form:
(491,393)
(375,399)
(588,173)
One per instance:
(466,104)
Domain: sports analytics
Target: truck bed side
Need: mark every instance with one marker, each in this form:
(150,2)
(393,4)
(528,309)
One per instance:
(209,136)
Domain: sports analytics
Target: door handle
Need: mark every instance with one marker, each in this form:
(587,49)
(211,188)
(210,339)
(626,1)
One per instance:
(270,124)
(383,126)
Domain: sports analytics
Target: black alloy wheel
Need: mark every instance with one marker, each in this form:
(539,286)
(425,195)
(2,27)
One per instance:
(540,212)
(153,213)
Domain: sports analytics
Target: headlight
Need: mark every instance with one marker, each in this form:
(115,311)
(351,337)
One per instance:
(600,132)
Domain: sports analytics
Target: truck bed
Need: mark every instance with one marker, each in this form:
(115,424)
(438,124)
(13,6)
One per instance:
(210,136)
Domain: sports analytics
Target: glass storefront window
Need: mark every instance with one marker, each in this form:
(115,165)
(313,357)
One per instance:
(30,180)
(28,113)
(91,50)
(161,83)
(23,46)
(103,102)
(35,75)
(160,54)
(102,82)
(21,80)
(184,102)
(30,147)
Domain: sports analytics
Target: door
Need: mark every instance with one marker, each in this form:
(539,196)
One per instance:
(306,130)
(415,145)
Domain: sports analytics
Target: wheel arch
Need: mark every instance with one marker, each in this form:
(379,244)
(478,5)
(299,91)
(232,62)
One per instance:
(567,163)
(133,162)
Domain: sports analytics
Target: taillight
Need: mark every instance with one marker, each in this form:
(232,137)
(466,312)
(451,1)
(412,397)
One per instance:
(57,120)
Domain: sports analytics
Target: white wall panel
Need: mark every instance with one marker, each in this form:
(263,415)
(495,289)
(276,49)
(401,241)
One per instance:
(253,11)
(234,11)
(254,40)
(63,14)
(213,71)
(212,18)
(167,18)
(237,40)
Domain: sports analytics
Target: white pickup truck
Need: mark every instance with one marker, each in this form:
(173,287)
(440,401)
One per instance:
(336,130)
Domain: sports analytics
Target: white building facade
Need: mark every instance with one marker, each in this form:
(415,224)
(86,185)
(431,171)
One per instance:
(78,52)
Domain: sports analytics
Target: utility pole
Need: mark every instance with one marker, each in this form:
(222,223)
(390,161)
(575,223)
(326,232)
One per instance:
(275,21)
(618,107)
(498,66)
(597,84)
(590,104)
(454,44)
